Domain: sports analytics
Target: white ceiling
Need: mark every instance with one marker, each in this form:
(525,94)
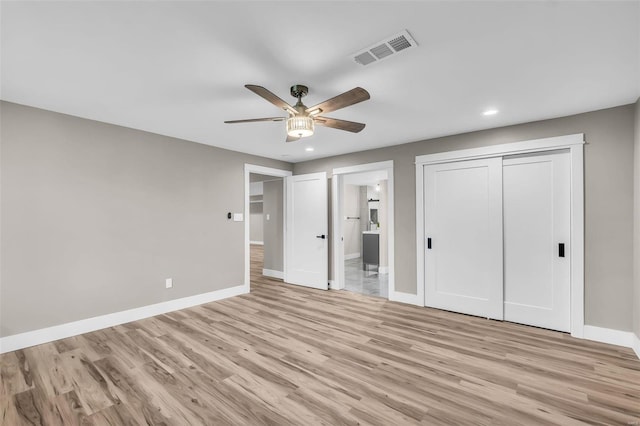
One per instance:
(178,68)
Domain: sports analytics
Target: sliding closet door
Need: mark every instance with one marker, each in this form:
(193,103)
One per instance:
(537,255)
(463,229)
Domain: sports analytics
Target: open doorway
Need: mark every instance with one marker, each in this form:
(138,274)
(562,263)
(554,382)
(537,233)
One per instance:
(266,223)
(265,216)
(363,229)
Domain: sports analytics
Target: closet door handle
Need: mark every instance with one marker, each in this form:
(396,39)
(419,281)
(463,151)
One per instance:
(321,236)
(561,250)
(429,243)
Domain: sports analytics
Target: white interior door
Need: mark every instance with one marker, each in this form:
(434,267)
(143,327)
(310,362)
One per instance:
(537,287)
(463,230)
(307,230)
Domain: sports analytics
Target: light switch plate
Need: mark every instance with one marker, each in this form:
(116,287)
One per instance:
(238,217)
(168,282)
(268,216)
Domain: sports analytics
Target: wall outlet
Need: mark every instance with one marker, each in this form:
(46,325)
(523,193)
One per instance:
(168,282)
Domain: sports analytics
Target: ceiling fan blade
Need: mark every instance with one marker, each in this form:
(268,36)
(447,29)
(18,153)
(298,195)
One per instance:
(292,138)
(345,99)
(253,120)
(349,126)
(264,93)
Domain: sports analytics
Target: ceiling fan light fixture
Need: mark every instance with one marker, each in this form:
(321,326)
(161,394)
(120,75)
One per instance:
(300,126)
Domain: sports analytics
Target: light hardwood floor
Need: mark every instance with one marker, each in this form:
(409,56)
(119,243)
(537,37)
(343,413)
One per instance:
(290,355)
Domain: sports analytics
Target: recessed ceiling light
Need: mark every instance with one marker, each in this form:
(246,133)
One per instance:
(490,112)
(309,149)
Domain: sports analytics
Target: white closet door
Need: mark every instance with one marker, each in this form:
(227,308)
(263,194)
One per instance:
(536,221)
(463,219)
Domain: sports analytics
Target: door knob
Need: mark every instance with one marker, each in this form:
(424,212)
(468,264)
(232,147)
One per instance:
(321,236)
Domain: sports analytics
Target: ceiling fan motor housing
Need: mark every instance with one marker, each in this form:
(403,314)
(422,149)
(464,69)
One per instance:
(299,91)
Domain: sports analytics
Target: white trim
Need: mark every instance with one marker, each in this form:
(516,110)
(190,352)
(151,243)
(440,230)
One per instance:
(62,331)
(252,168)
(420,234)
(391,223)
(609,335)
(411,299)
(337,246)
(336,185)
(576,153)
(258,243)
(636,345)
(575,144)
(332,285)
(351,256)
(535,145)
(383,270)
(273,273)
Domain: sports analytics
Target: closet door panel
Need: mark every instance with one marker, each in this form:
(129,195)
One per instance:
(536,201)
(463,220)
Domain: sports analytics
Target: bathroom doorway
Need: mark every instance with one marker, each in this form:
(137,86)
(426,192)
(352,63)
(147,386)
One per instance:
(363,230)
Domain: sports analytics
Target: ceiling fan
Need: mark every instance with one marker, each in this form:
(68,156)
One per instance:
(302,119)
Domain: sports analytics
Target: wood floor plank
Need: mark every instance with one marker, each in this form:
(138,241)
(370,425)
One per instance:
(290,355)
(12,381)
(34,407)
(70,408)
(9,413)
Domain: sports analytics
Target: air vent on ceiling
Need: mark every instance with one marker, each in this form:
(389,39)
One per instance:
(385,48)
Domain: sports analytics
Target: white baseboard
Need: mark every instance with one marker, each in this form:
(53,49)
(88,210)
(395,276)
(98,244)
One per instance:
(257,243)
(332,285)
(636,345)
(411,299)
(383,269)
(273,274)
(351,256)
(609,335)
(62,331)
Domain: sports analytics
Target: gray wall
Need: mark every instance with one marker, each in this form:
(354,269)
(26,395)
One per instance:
(636,221)
(94,217)
(256,231)
(364,209)
(608,200)
(274,227)
(351,227)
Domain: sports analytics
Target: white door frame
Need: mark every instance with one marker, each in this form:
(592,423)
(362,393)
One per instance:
(336,228)
(252,168)
(575,144)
